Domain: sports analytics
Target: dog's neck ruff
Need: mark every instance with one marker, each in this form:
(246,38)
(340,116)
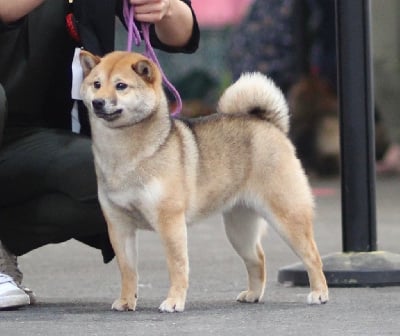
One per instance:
(134,36)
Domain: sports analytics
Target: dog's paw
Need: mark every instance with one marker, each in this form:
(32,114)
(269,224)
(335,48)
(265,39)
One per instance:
(172,305)
(123,305)
(318,297)
(249,296)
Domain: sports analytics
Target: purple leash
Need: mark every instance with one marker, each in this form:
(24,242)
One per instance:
(134,36)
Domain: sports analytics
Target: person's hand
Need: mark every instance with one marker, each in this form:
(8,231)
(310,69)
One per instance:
(151,11)
(172,19)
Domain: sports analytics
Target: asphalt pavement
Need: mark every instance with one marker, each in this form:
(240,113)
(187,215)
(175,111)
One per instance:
(75,289)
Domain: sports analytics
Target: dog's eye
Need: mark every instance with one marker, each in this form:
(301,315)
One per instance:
(121,86)
(97,85)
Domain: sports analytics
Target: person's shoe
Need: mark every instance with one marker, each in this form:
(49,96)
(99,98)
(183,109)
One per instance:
(10,281)
(11,296)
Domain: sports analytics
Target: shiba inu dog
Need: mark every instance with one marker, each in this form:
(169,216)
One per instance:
(159,173)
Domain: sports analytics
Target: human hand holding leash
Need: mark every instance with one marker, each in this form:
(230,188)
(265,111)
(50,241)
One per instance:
(172,19)
(151,11)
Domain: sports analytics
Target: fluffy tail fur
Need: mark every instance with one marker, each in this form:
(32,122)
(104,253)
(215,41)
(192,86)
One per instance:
(255,93)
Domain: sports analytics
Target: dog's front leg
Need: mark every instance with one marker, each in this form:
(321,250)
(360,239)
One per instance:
(173,232)
(122,235)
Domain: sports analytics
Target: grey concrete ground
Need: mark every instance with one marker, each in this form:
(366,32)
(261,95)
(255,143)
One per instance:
(75,289)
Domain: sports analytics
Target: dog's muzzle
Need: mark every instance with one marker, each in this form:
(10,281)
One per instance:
(99,110)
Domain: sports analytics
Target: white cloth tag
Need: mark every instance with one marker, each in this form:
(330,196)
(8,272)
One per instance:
(75,124)
(77,76)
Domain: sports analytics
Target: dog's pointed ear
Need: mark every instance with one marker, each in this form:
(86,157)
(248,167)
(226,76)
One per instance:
(88,61)
(145,70)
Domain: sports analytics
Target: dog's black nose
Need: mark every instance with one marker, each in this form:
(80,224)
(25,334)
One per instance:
(98,104)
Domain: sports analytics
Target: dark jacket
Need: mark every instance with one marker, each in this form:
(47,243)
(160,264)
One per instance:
(3,111)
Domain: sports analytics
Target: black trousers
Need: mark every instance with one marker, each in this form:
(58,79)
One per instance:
(48,191)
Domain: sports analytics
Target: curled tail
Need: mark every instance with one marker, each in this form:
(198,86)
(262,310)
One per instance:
(256,94)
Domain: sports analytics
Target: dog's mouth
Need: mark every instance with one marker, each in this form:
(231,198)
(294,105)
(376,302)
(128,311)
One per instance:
(108,116)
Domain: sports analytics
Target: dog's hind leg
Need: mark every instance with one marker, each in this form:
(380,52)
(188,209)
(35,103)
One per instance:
(294,221)
(244,228)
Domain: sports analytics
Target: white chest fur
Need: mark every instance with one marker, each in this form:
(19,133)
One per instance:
(132,196)
(147,195)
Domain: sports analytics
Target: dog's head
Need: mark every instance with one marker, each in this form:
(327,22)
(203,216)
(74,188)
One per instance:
(120,89)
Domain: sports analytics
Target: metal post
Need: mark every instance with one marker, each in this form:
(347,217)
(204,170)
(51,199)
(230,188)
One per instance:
(359,264)
(356,125)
